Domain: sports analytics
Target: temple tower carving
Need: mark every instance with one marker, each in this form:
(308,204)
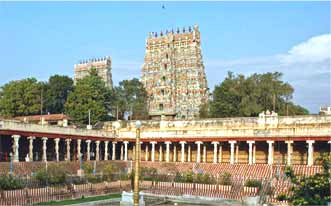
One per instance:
(174,75)
(102,65)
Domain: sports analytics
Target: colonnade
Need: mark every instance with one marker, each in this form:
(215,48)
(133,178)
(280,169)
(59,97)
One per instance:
(150,150)
(15,148)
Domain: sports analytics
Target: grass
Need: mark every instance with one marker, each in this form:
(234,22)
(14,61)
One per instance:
(80,200)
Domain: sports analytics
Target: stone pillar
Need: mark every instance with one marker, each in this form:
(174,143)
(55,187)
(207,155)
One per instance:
(125,150)
(79,153)
(198,143)
(270,152)
(44,156)
(113,155)
(310,160)
(167,158)
(122,152)
(182,156)
(88,145)
(160,153)
(57,154)
(15,147)
(97,150)
(215,151)
(237,154)
(232,143)
(289,152)
(250,152)
(153,151)
(175,154)
(31,148)
(220,154)
(204,159)
(106,150)
(189,153)
(68,149)
(146,152)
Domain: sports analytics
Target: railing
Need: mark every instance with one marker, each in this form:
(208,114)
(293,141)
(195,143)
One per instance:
(29,196)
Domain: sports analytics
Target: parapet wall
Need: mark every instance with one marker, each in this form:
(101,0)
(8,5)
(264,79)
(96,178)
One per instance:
(263,126)
(231,123)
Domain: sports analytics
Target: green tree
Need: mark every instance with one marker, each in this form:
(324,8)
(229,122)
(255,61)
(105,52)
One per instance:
(310,190)
(21,97)
(241,96)
(131,96)
(204,110)
(56,93)
(90,93)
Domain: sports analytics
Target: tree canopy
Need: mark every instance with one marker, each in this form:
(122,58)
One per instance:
(89,94)
(56,93)
(22,97)
(248,96)
(311,190)
(236,96)
(131,96)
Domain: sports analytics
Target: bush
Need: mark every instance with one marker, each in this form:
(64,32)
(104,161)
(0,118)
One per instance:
(188,177)
(225,179)
(148,173)
(9,182)
(55,175)
(314,189)
(281,197)
(124,176)
(94,178)
(108,172)
(253,183)
(79,181)
(204,178)
(88,168)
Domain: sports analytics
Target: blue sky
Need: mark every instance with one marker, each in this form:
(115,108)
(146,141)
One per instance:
(45,38)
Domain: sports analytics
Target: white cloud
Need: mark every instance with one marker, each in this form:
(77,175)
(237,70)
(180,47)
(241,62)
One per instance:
(316,49)
(306,66)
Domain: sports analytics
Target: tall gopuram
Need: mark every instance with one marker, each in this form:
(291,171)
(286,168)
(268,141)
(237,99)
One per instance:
(174,75)
(102,65)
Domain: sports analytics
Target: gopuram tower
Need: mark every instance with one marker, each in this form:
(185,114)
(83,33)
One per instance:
(174,75)
(102,66)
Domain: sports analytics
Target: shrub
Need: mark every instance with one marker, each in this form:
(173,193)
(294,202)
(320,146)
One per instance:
(313,189)
(9,182)
(94,178)
(225,179)
(41,176)
(204,178)
(88,168)
(253,183)
(55,175)
(125,176)
(148,173)
(281,197)
(188,177)
(78,181)
(108,172)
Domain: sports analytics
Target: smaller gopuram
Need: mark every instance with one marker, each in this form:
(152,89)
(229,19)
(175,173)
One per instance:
(102,65)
